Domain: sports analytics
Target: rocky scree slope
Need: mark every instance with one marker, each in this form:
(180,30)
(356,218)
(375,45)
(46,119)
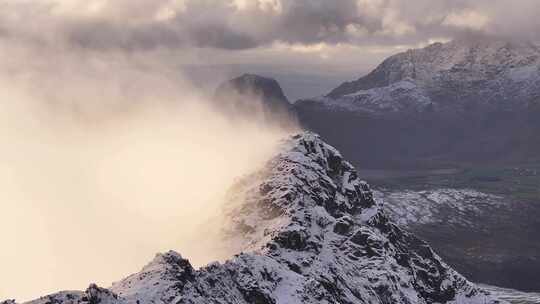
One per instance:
(311,232)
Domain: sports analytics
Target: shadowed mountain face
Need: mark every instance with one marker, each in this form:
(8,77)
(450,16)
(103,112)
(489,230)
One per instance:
(446,106)
(446,103)
(266,88)
(252,94)
(443,106)
(310,232)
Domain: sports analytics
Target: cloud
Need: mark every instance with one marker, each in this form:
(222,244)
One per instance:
(241,24)
(108,158)
(467,19)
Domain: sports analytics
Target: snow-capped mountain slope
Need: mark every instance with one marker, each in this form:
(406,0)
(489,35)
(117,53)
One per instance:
(309,231)
(496,73)
(399,96)
(267,88)
(484,236)
(461,101)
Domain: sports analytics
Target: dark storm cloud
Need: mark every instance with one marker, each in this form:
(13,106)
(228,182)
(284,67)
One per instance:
(312,21)
(244,24)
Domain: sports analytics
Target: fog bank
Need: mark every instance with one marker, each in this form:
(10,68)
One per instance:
(107,159)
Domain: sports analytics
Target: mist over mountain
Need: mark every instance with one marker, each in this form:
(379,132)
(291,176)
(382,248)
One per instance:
(307,230)
(249,85)
(249,94)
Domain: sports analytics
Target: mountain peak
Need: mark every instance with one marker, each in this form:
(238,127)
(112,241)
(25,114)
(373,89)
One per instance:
(310,232)
(463,60)
(266,88)
(170,259)
(250,95)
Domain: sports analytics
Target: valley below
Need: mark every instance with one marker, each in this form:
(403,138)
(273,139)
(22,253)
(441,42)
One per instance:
(482,220)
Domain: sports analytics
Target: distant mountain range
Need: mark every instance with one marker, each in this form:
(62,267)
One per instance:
(447,103)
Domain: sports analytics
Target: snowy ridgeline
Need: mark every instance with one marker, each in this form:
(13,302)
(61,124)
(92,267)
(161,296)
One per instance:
(445,77)
(310,232)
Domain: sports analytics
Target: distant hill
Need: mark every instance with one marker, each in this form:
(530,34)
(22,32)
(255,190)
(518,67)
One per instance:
(254,95)
(447,103)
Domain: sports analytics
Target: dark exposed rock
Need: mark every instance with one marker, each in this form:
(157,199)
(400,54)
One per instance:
(96,295)
(251,95)
(343,225)
(292,239)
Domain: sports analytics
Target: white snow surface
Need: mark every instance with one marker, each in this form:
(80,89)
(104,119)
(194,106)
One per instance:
(404,94)
(310,232)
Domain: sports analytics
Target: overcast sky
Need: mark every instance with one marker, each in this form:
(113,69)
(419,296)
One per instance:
(331,40)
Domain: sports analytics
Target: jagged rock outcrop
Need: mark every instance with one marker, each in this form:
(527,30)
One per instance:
(309,231)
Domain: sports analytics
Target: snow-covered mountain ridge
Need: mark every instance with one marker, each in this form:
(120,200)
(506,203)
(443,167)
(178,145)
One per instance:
(447,76)
(482,235)
(461,101)
(310,232)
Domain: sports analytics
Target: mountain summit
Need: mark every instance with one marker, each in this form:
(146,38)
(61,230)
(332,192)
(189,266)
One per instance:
(255,95)
(267,88)
(467,65)
(309,232)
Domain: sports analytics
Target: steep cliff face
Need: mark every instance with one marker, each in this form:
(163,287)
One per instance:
(309,231)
